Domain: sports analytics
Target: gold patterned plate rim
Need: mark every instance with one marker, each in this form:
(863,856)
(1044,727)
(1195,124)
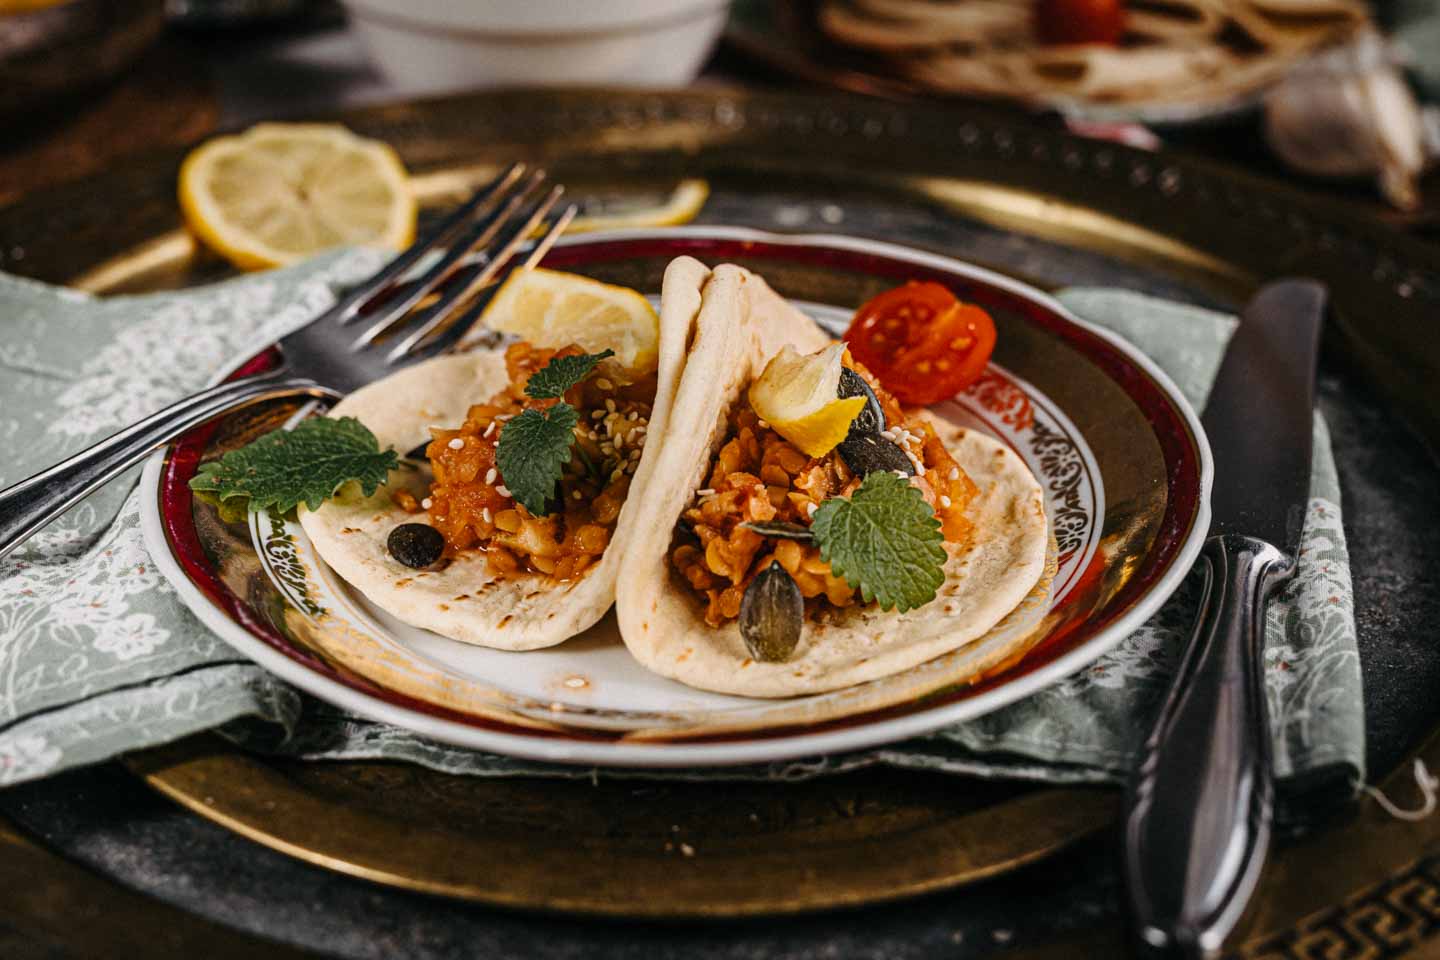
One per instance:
(369,680)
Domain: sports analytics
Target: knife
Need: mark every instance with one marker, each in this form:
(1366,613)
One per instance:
(1198,809)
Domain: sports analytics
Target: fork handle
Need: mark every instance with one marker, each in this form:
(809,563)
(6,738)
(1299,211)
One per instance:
(32,503)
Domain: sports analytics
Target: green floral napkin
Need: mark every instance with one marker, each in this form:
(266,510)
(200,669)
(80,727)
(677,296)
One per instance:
(99,657)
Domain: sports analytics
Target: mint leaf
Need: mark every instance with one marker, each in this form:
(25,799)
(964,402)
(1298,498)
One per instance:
(304,465)
(562,373)
(885,541)
(532,452)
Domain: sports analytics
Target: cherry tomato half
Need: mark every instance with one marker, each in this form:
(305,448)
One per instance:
(923,344)
(1059,22)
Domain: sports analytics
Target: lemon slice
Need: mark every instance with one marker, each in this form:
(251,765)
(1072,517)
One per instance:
(796,395)
(280,192)
(551,308)
(682,206)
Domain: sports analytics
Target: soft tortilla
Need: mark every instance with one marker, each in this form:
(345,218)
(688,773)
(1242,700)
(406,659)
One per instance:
(741,324)
(463,601)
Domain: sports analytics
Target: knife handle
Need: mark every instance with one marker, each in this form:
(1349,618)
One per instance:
(1197,813)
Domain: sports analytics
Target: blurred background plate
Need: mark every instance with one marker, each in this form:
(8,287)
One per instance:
(785,35)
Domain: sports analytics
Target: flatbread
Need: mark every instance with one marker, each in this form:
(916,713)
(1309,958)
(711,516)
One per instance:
(463,601)
(742,322)
(1191,51)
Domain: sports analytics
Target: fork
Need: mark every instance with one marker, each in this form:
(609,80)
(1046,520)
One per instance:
(327,358)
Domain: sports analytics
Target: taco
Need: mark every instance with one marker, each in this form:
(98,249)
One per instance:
(726,584)
(492,571)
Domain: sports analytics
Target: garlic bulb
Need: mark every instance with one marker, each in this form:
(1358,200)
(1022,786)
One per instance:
(1348,113)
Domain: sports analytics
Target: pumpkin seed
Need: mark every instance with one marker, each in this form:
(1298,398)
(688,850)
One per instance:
(772,615)
(871,419)
(867,455)
(779,528)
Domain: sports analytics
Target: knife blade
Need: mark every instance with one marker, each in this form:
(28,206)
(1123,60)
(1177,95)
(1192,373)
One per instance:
(1198,808)
(1259,419)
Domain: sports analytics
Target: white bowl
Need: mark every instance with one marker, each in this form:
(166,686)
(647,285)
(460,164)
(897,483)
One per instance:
(453,44)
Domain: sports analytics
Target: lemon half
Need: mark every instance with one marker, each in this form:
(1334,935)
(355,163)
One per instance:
(796,395)
(551,308)
(280,192)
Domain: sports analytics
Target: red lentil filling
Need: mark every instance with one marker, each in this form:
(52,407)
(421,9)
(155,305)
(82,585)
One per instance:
(759,476)
(471,507)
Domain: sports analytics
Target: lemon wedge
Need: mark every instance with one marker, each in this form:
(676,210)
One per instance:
(280,192)
(551,308)
(796,395)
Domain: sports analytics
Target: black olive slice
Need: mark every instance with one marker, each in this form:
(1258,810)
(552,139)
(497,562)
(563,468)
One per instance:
(772,614)
(779,528)
(867,455)
(871,419)
(416,545)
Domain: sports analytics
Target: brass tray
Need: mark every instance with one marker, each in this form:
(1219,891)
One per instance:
(989,187)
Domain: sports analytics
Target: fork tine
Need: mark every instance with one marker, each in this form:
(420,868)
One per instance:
(455,334)
(473,279)
(480,234)
(349,305)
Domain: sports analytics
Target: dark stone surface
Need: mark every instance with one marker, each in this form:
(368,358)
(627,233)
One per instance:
(1391,502)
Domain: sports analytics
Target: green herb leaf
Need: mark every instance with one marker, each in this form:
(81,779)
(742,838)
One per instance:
(885,541)
(532,452)
(562,373)
(304,465)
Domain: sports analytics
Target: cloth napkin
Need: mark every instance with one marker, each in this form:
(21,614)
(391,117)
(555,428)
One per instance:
(98,656)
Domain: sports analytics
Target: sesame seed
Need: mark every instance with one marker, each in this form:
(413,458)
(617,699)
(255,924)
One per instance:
(763,425)
(616,475)
(596,414)
(576,683)
(505,416)
(426,503)
(503,490)
(945,502)
(810,509)
(900,473)
(490,475)
(485,513)
(456,444)
(490,429)
(608,449)
(687,850)
(604,384)
(954,473)
(641,430)
(888,434)
(578,495)
(610,405)
(704,492)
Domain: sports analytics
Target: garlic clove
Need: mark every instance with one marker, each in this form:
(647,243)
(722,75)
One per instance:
(1348,113)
